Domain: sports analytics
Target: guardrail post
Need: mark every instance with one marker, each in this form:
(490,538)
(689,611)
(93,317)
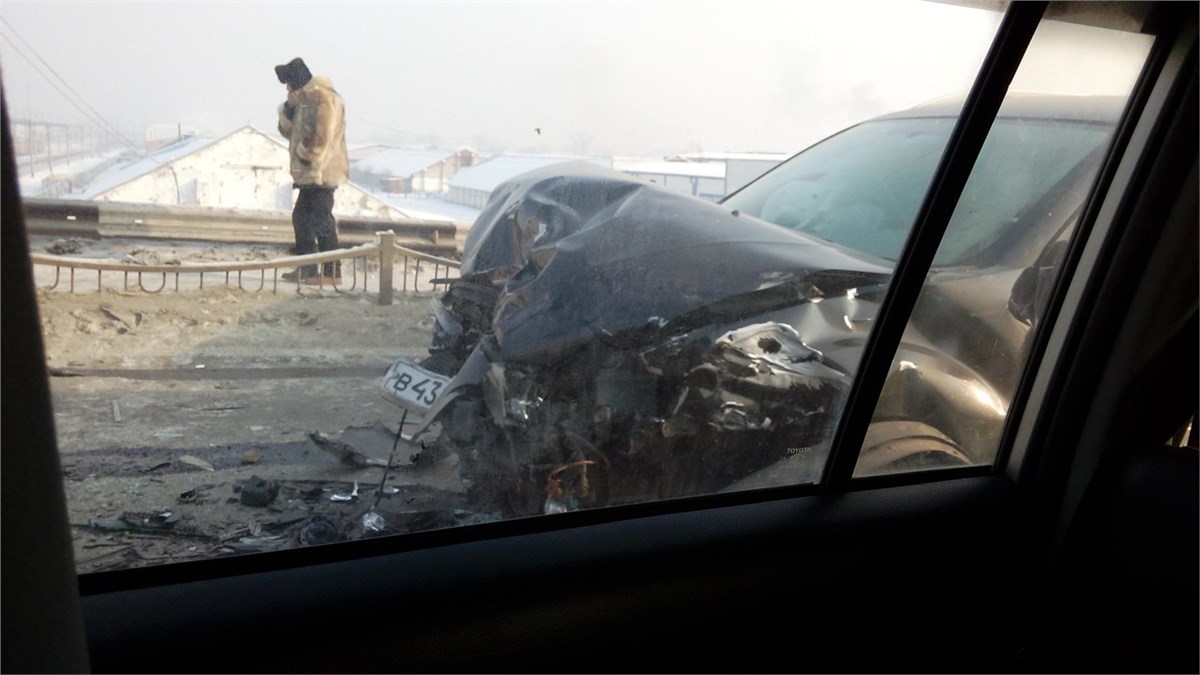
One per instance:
(387,258)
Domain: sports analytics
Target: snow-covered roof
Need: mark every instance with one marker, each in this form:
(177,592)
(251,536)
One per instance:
(123,173)
(159,157)
(488,174)
(725,156)
(695,169)
(360,151)
(400,163)
(33,186)
(431,208)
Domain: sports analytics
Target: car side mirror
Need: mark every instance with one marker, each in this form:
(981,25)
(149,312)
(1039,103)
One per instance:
(1031,290)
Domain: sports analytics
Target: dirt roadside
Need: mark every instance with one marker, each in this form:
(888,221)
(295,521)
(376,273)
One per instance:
(170,406)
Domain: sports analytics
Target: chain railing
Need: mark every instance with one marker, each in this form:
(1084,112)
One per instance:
(418,272)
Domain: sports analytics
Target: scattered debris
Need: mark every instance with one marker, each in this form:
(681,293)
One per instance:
(116,411)
(254,544)
(143,255)
(196,462)
(108,543)
(373,522)
(64,246)
(161,464)
(236,534)
(121,472)
(289,517)
(465,517)
(224,406)
(154,522)
(353,496)
(421,521)
(374,440)
(107,525)
(311,494)
(124,548)
(194,495)
(129,322)
(158,520)
(345,453)
(319,531)
(363,446)
(259,491)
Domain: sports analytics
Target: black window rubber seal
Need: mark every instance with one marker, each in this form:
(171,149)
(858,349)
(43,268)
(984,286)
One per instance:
(983,101)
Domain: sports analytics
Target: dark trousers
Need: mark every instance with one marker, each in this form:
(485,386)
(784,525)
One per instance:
(315,227)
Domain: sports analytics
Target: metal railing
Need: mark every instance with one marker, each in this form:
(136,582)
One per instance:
(102,219)
(261,275)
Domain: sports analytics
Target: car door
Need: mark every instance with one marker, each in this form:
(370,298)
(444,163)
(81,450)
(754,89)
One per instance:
(963,569)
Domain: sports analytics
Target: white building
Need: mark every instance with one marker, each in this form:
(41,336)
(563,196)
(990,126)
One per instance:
(472,187)
(359,151)
(705,180)
(709,176)
(245,169)
(740,167)
(410,172)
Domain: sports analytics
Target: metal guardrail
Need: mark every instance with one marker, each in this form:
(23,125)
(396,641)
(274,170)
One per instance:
(387,250)
(98,219)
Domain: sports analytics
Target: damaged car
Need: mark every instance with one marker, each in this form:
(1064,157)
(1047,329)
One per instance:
(612,341)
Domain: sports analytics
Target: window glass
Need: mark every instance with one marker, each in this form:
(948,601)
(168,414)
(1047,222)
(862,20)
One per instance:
(947,394)
(860,188)
(532,303)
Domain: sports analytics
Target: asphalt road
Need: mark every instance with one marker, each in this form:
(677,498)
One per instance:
(190,446)
(174,403)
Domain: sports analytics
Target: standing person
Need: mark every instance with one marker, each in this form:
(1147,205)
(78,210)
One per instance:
(314,122)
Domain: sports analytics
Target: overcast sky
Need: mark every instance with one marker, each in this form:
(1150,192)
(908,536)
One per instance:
(627,78)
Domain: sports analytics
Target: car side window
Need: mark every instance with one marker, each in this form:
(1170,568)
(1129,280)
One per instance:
(946,398)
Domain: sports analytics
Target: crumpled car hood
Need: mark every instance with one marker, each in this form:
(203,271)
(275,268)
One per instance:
(580,252)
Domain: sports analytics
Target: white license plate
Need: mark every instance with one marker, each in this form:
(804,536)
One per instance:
(412,386)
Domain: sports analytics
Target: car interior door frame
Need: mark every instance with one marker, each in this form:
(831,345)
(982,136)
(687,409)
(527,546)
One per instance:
(936,571)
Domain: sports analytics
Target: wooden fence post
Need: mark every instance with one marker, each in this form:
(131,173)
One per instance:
(387,258)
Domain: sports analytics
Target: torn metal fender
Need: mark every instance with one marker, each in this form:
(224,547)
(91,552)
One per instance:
(446,321)
(476,372)
(947,396)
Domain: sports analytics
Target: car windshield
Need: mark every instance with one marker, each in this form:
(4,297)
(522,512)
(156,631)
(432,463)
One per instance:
(862,188)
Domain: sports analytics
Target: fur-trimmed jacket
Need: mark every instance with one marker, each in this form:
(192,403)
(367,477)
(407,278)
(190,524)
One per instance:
(316,133)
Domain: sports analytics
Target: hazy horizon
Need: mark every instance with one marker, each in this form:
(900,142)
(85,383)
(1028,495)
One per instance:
(598,77)
(623,78)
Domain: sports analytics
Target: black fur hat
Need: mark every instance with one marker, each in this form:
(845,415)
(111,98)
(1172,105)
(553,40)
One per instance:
(293,72)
